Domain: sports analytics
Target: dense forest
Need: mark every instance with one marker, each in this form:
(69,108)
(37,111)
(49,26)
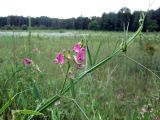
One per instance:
(108,21)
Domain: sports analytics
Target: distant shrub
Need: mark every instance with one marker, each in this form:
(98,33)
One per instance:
(61,31)
(24,27)
(152,26)
(94,25)
(10,27)
(42,27)
(7,27)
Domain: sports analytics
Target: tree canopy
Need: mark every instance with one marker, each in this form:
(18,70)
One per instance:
(108,21)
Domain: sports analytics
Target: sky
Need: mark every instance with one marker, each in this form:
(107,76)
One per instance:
(71,8)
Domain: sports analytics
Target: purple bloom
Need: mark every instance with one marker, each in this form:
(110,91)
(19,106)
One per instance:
(59,59)
(80,56)
(77,47)
(27,61)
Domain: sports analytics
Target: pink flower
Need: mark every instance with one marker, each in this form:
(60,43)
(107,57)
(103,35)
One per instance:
(77,47)
(27,61)
(59,59)
(80,56)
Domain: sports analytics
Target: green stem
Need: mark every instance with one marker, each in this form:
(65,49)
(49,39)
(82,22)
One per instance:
(64,83)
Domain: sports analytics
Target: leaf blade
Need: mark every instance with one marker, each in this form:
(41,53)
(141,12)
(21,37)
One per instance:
(97,52)
(28,112)
(7,104)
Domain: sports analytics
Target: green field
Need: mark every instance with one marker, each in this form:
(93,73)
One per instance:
(125,88)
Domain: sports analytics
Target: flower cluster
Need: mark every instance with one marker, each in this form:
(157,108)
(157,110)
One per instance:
(78,57)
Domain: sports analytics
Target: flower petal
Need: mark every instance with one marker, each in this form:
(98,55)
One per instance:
(27,61)
(77,47)
(59,59)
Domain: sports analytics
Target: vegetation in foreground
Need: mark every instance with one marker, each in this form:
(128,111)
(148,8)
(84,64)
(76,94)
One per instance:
(125,88)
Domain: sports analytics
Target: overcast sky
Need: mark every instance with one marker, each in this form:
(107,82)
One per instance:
(70,8)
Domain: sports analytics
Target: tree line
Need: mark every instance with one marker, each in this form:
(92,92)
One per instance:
(108,21)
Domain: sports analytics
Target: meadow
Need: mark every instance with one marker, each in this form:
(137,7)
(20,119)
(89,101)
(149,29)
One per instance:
(125,88)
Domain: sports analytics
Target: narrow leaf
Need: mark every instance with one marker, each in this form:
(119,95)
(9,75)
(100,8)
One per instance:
(36,91)
(28,112)
(79,107)
(89,53)
(73,91)
(96,53)
(65,80)
(7,104)
(46,104)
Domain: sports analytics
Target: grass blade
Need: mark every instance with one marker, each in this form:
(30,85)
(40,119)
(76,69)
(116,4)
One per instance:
(36,91)
(142,66)
(46,104)
(89,53)
(28,112)
(97,52)
(7,104)
(79,107)
(66,76)
(73,91)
